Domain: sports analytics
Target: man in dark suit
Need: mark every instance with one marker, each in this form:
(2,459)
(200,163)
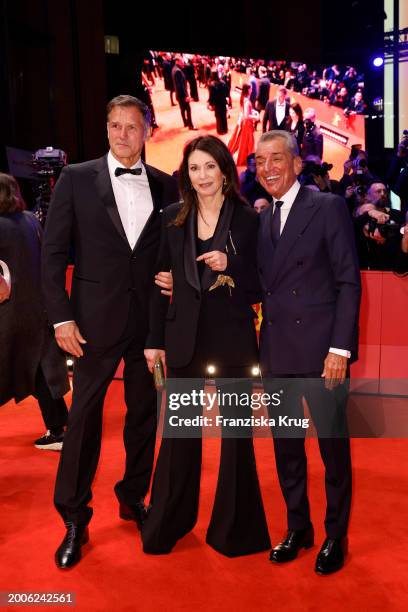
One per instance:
(182,95)
(312,143)
(311,294)
(109,209)
(276,112)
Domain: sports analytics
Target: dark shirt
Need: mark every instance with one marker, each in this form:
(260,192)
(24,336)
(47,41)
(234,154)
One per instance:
(203,246)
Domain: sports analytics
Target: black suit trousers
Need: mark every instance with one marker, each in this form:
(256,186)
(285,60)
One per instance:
(328,412)
(80,454)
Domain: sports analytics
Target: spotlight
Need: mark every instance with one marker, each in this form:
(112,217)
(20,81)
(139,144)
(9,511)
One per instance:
(211,369)
(255,371)
(70,362)
(378,61)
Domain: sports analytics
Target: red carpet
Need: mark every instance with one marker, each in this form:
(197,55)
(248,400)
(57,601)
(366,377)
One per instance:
(115,575)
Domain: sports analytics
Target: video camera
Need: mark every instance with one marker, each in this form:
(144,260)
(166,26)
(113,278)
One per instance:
(312,168)
(47,164)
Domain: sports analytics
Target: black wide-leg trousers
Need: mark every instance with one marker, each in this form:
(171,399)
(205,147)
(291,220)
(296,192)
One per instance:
(238,524)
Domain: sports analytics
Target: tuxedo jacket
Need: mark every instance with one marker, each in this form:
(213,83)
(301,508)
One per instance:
(108,273)
(229,315)
(310,284)
(269,117)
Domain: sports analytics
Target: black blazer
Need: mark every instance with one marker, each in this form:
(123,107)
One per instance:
(107,272)
(270,117)
(25,338)
(310,283)
(174,326)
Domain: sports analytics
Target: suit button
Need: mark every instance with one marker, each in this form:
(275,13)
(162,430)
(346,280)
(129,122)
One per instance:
(260,270)
(197,296)
(298,321)
(268,293)
(294,292)
(299,263)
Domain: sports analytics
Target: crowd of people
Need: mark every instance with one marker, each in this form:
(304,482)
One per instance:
(338,86)
(377,224)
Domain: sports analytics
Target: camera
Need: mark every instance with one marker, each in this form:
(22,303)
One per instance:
(388,229)
(48,164)
(359,165)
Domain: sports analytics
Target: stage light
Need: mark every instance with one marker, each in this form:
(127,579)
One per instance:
(378,61)
(255,371)
(211,369)
(70,362)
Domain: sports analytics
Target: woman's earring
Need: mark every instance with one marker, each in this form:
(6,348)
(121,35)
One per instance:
(224,183)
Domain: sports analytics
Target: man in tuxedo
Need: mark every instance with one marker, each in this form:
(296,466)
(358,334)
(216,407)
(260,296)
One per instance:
(276,112)
(108,210)
(182,95)
(311,294)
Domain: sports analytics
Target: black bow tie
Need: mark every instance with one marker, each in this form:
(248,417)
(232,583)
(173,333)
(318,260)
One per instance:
(134,171)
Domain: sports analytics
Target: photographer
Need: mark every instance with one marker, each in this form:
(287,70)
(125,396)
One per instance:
(377,229)
(313,138)
(398,172)
(315,175)
(356,178)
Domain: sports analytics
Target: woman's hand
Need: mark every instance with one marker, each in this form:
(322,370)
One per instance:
(4,289)
(165,281)
(216,260)
(152,355)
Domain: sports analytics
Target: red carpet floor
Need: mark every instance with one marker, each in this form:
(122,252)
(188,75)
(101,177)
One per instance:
(115,575)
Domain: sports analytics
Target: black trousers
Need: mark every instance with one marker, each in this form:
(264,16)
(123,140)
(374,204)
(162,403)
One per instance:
(54,411)
(328,412)
(185,111)
(238,524)
(82,442)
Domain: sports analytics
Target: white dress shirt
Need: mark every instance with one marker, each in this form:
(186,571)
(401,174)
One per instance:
(280,112)
(133,198)
(288,198)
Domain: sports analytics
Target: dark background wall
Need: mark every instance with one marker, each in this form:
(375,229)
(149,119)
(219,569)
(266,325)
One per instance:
(55,77)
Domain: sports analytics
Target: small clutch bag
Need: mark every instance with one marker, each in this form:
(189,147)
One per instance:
(158,375)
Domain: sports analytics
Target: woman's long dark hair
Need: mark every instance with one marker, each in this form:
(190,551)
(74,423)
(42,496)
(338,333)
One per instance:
(298,110)
(10,196)
(219,151)
(244,93)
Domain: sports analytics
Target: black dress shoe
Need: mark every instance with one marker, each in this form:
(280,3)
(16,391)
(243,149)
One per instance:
(331,556)
(136,512)
(294,541)
(69,551)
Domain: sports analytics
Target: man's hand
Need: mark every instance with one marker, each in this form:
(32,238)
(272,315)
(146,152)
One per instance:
(380,216)
(4,289)
(69,339)
(164,280)
(216,260)
(334,371)
(404,242)
(152,355)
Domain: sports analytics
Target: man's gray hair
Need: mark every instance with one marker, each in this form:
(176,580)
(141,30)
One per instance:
(127,101)
(290,140)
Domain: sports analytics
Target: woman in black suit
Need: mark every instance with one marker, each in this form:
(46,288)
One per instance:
(295,123)
(209,242)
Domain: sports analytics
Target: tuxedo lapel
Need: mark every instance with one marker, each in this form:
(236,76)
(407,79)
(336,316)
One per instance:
(190,250)
(219,241)
(104,188)
(300,215)
(156,189)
